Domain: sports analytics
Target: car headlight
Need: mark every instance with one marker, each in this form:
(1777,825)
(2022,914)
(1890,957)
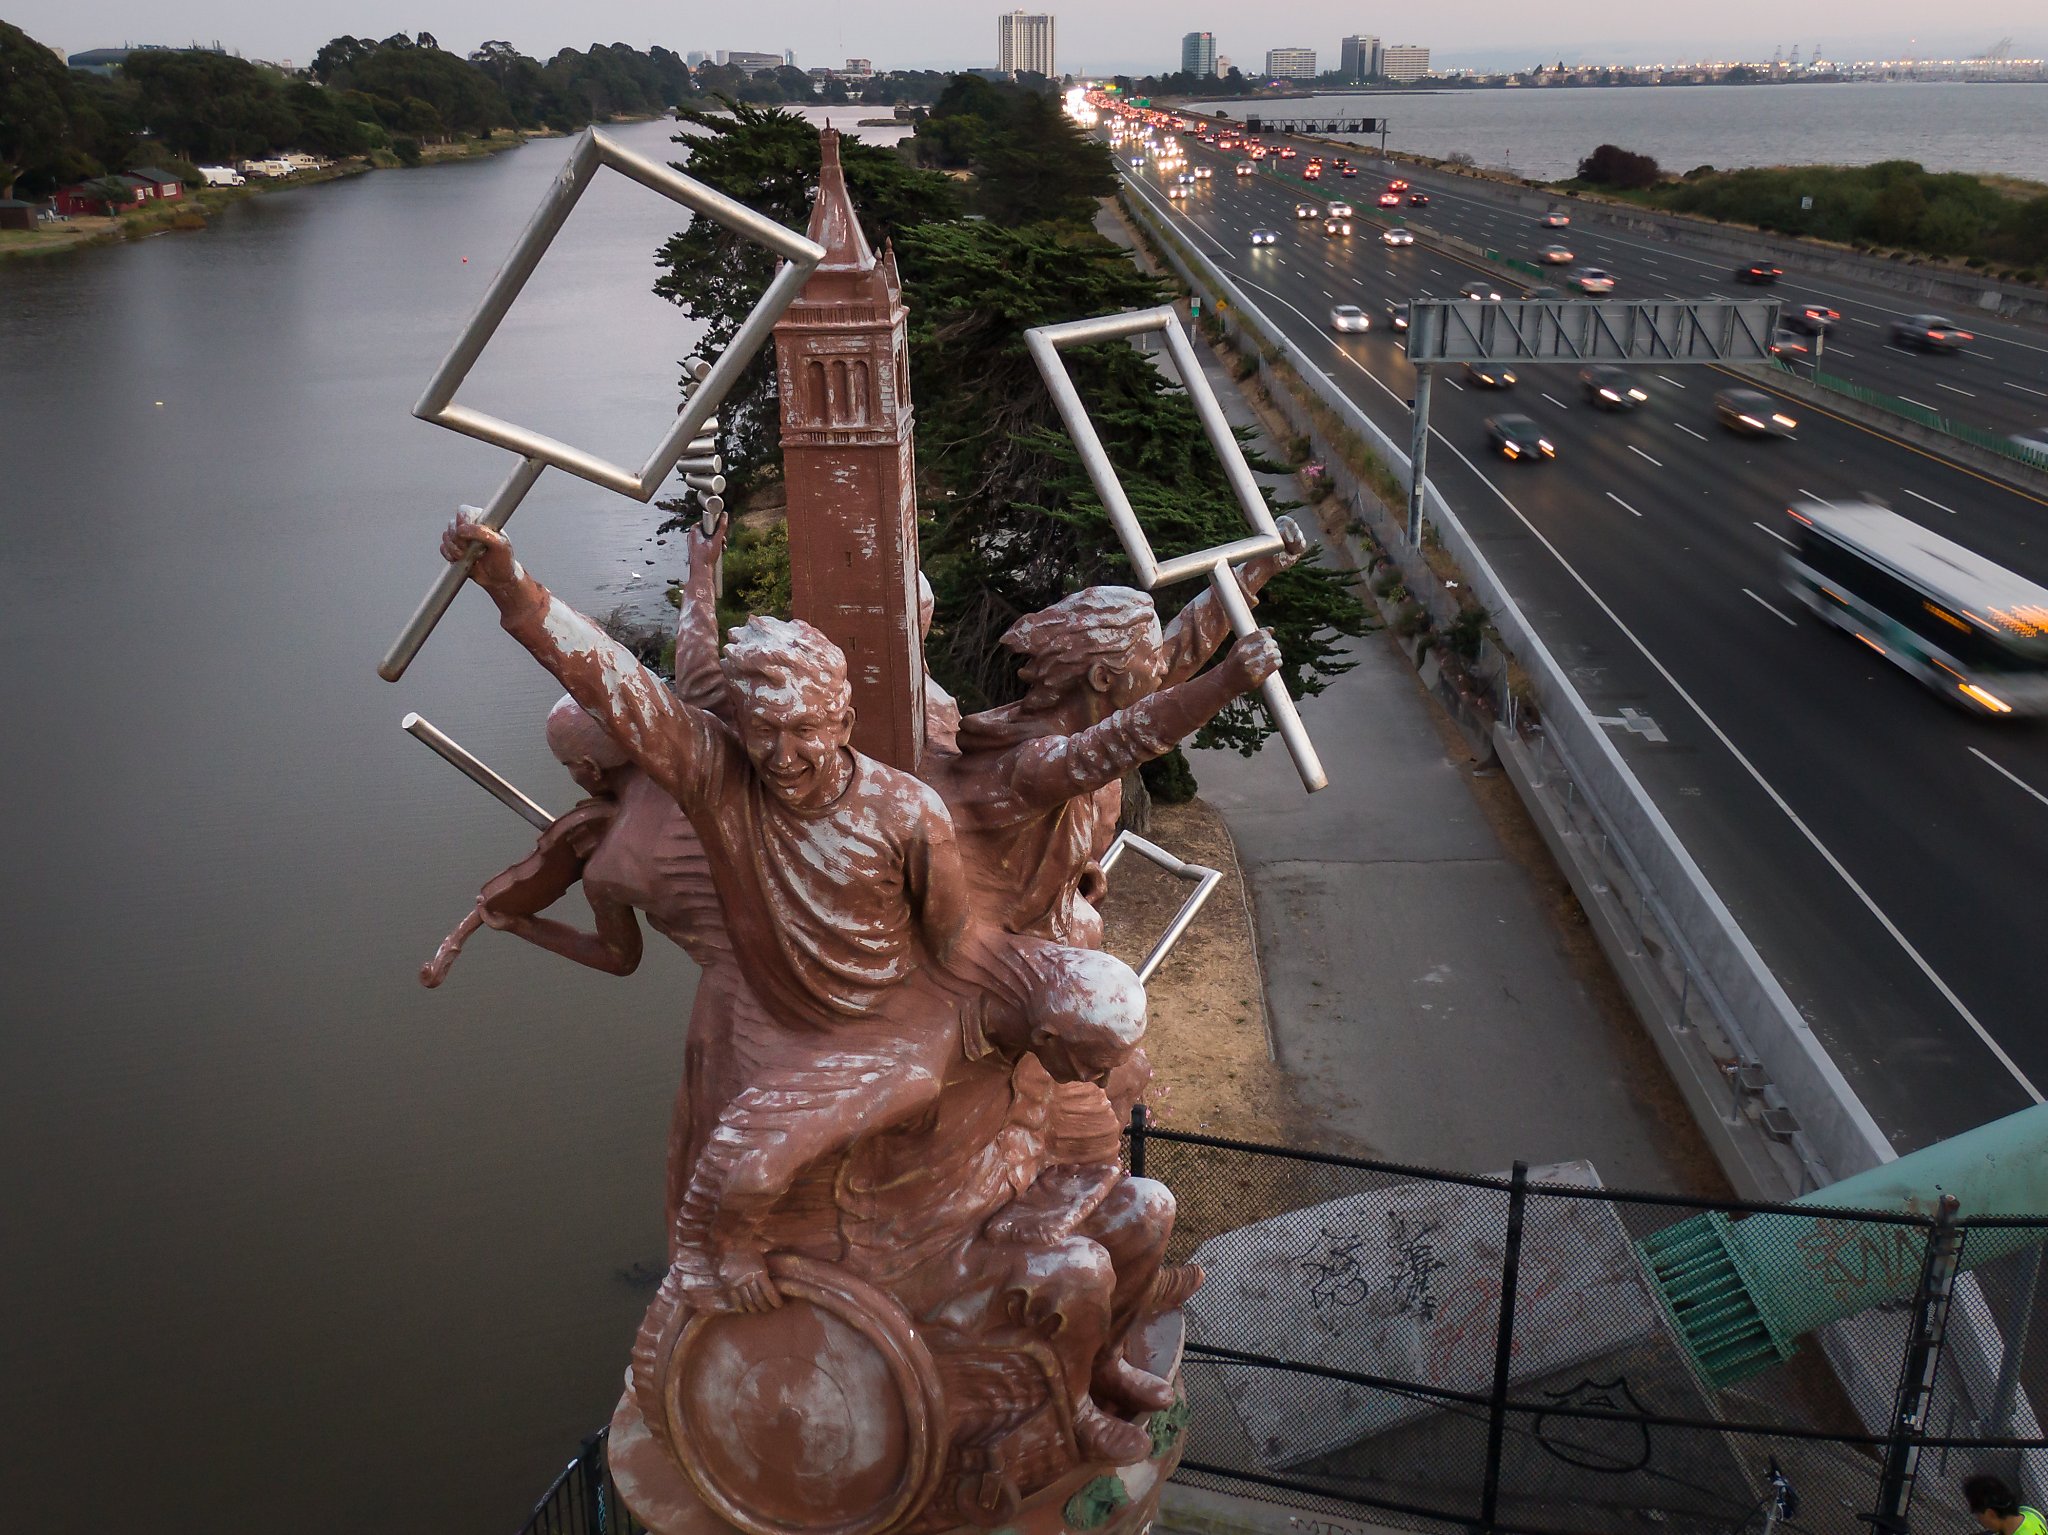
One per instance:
(1548,450)
(1785,421)
(1609,394)
(1637,395)
(1751,421)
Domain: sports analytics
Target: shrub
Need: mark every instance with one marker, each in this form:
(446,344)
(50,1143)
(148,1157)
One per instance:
(1612,166)
(407,150)
(1169,779)
(1465,634)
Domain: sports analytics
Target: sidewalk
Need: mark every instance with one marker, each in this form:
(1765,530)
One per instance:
(1426,996)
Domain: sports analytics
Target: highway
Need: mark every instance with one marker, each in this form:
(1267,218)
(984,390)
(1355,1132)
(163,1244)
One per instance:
(1999,381)
(1876,844)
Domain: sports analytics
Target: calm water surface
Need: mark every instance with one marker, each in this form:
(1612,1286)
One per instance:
(286,1241)
(1544,133)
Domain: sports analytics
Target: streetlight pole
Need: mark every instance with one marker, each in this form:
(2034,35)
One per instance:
(1418,451)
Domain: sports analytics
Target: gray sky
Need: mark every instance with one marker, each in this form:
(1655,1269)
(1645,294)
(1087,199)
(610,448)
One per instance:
(1133,34)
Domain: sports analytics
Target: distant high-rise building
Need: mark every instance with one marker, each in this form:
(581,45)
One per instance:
(861,68)
(1403,61)
(1198,54)
(1361,57)
(1290,63)
(752,63)
(1024,44)
(1225,64)
(789,58)
(695,57)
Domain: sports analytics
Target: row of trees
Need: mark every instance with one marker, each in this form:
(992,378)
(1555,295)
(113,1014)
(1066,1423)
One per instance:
(1011,523)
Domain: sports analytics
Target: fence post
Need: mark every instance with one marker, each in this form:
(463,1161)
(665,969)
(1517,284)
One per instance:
(590,1472)
(1137,1140)
(1916,1375)
(1503,1347)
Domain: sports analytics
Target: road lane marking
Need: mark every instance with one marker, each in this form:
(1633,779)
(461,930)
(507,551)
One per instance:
(2043,798)
(1773,611)
(1784,806)
(1930,501)
(1823,500)
(1951,388)
(1455,385)
(1674,383)
(1857,320)
(1839,351)
(1921,403)
(1980,356)
(1781,538)
(1553,399)
(1622,504)
(2023,389)
(1689,431)
(1639,453)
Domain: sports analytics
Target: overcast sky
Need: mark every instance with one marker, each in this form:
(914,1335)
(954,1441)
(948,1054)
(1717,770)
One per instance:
(1132,34)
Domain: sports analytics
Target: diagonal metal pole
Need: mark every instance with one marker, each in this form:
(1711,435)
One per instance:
(448,585)
(473,768)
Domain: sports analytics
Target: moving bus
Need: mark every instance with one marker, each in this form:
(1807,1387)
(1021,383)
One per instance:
(1973,631)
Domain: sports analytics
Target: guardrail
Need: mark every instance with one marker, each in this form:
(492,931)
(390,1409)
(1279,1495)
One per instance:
(1922,415)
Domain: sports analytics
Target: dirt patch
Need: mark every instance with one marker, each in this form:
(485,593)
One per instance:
(1212,1069)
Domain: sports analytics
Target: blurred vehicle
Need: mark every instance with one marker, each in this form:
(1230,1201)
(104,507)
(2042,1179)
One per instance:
(1397,314)
(1349,318)
(1177,192)
(1930,333)
(1480,290)
(1307,211)
(1418,199)
(1557,218)
(2034,442)
(1752,413)
(1265,237)
(1518,437)
(1543,294)
(1761,272)
(1336,226)
(1287,152)
(1813,319)
(1592,279)
(1340,210)
(1789,343)
(1137,162)
(1397,185)
(1186,178)
(1246,168)
(1390,199)
(1398,236)
(1972,630)
(1203,173)
(1611,389)
(1347,170)
(1489,375)
(1556,255)
(1312,173)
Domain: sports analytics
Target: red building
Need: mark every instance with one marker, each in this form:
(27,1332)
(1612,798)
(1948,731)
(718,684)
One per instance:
(138,187)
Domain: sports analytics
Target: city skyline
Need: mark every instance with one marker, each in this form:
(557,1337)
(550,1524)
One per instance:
(1141,37)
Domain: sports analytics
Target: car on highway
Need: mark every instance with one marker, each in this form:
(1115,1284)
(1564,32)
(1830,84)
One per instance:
(1930,333)
(1490,375)
(1760,272)
(1418,199)
(1397,185)
(1177,193)
(1287,152)
(1484,291)
(1542,293)
(1336,226)
(1348,319)
(1968,628)
(1592,279)
(1556,255)
(1246,168)
(1203,173)
(1186,178)
(2034,442)
(1611,389)
(1390,199)
(1137,162)
(1398,236)
(1557,218)
(1265,237)
(1517,437)
(1397,314)
(1752,413)
(1348,171)
(1312,173)
(1790,343)
(1341,210)
(1815,319)
(1307,211)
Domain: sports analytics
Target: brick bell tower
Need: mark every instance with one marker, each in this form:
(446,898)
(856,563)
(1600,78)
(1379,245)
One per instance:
(843,371)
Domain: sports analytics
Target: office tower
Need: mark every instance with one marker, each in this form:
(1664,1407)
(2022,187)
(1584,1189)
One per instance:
(1404,61)
(1024,44)
(1361,57)
(1198,54)
(1290,63)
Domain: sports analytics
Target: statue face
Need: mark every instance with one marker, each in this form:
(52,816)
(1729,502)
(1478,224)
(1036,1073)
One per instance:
(796,745)
(1137,676)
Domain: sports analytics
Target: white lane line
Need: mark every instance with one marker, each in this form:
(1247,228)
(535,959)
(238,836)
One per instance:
(1702,436)
(1859,320)
(2023,389)
(2007,772)
(1951,388)
(1781,538)
(1823,500)
(1553,399)
(1433,272)
(1980,356)
(1921,403)
(1675,297)
(1903,352)
(1773,611)
(1674,383)
(1639,453)
(1622,504)
(1930,501)
(1839,351)
(1392,273)
(1784,806)
(1455,385)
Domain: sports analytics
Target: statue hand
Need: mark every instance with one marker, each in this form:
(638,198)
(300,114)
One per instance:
(745,1282)
(1252,660)
(1254,574)
(1028,1227)
(494,569)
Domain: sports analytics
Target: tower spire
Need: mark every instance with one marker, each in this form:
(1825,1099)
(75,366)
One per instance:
(833,222)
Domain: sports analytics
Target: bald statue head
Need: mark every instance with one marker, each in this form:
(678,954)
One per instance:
(794,709)
(583,746)
(1089,1017)
(1104,638)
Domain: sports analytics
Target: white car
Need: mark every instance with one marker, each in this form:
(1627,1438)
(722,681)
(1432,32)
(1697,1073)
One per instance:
(1485,292)
(1177,192)
(1307,211)
(1349,318)
(1592,279)
(1557,218)
(1265,237)
(1556,255)
(1397,236)
(1246,168)
(1340,210)
(1203,173)
(1137,162)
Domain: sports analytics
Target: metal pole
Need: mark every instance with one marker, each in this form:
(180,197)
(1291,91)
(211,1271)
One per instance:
(1137,1140)
(1418,453)
(1916,1375)
(1503,1346)
(2007,1391)
(1273,691)
(470,766)
(441,595)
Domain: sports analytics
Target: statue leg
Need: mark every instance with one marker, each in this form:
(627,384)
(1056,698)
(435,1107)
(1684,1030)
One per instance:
(1133,1225)
(1064,1292)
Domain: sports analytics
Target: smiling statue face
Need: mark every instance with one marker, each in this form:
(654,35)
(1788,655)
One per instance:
(797,746)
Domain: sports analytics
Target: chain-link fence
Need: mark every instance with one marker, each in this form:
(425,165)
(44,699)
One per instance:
(1530,1351)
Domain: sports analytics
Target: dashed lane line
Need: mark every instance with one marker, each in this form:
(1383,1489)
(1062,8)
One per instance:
(2008,773)
(1930,501)
(1639,453)
(1773,611)
(1623,504)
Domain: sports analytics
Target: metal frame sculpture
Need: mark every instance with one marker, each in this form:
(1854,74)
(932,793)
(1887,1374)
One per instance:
(1046,342)
(591,152)
(1205,881)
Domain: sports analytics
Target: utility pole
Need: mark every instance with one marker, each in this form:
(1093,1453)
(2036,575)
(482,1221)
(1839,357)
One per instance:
(1418,451)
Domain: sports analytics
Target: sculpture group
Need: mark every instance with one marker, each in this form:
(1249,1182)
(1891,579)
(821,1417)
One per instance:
(910,1287)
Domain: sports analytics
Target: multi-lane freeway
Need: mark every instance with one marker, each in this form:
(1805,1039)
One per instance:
(1880,847)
